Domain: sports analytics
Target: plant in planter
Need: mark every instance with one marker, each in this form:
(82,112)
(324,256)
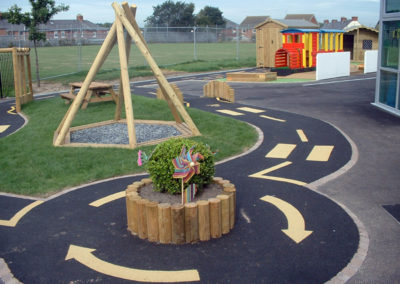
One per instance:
(161,169)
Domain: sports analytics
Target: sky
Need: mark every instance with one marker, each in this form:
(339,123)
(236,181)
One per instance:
(100,11)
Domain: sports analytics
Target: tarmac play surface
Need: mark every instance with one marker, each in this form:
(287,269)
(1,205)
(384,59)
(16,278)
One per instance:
(284,231)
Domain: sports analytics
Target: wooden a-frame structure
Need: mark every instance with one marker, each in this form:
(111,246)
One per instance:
(125,19)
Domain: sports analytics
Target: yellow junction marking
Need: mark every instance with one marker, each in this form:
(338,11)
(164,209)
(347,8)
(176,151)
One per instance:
(274,168)
(21,213)
(302,136)
(250,109)
(85,257)
(320,153)
(107,199)
(12,110)
(230,112)
(296,224)
(281,151)
(272,118)
(3,128)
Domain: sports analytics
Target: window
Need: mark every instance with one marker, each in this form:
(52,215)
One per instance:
(390,44)
(63,34)
(367,44)
(55,34)
(392,6)
(75,34)
(94,34)
(388,86)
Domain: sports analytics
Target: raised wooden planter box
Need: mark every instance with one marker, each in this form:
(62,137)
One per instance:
(177,223)
(251,77)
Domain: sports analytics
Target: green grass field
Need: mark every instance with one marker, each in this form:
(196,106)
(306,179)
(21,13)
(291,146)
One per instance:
(30,165)
(54,61)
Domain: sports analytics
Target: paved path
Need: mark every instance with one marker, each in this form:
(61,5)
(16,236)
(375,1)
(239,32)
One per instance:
(296,152)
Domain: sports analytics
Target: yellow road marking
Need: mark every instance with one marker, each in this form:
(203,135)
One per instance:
(272,118)
(230,112)
(274,168)
(320,153)
(85,257)
(21,213)
(3,128)
(281,151)
(107,199)
(12,110)
(302,136)
(296,224)
(249,109)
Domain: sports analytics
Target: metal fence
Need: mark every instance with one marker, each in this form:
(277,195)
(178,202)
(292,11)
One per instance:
(194,43)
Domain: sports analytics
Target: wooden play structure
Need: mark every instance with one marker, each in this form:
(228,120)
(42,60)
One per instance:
(161,95)
(22,75)
(96,93)
(219,90)
(125,20)
(301,46)
(251,76)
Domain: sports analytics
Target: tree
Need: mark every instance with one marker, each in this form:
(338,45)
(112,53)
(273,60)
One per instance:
(172,14)
(210,16)
(41,13)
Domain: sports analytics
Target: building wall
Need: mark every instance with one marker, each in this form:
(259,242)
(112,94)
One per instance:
(359,46)
(268,41)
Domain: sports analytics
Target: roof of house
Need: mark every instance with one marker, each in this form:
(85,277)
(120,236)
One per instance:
(338,25)
(362,27)
(285,23)
(5,25)
(307,17)
(252,21)
(230,24)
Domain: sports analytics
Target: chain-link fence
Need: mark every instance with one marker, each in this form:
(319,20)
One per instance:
(71,50)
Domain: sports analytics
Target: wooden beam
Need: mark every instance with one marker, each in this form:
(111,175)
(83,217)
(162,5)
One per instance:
(136,35)
(126,88)
(98,62)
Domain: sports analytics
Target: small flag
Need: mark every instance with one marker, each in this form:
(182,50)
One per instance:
(191,191)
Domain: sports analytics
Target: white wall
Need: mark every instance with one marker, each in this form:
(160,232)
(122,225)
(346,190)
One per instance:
(332,65)
(370,61)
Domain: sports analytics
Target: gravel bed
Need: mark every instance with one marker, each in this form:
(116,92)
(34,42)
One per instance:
(117,133)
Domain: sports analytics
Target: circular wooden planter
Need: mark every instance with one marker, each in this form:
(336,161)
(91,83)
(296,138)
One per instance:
(177,223)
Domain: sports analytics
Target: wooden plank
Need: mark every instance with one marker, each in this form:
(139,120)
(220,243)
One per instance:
(136,35)
(28,64)
(16,80)
(98,62)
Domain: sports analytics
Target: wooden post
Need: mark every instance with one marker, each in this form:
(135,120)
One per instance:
(204,220)
(152,221)
(225,222)
(178,224)
(142,220)
(215,217)
(191,222)
(231,191)
(126,88)
(132,29)
(132,208)
(16,80)
(164,223)
(98,62)
(28,64)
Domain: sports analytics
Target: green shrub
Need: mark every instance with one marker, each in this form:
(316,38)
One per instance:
(161,168)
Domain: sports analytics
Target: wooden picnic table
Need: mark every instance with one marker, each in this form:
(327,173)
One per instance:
(96,93)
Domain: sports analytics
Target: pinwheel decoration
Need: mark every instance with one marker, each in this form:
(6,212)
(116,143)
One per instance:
(186,166)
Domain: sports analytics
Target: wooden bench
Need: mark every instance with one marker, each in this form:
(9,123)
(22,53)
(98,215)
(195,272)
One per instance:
(251,77)
(99,90)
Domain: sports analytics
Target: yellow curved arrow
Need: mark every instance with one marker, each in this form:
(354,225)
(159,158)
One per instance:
(274,168)
(296,224)
(21,213)
(12,110)
(85,257)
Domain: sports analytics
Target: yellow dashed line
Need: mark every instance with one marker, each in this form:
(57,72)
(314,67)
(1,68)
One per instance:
(230,112)
(281,151)
(320,153)
(109,198)
(3,128)
(249,109)
(281,179)
(302,136)
(272,118)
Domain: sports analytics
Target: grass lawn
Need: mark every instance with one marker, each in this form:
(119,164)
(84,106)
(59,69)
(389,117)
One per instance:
(30,165)
(55,61)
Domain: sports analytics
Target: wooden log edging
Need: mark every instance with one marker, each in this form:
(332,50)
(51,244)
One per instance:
(177,224)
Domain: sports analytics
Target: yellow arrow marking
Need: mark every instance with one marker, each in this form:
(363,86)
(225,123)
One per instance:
(320,153)
(21,213)
(85,257)
(12,110)
(109,198)
(296,224)
(302,136)
(272,118)
(250,109)
(274,168)
(281,151)
(230,112)
(3,128)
